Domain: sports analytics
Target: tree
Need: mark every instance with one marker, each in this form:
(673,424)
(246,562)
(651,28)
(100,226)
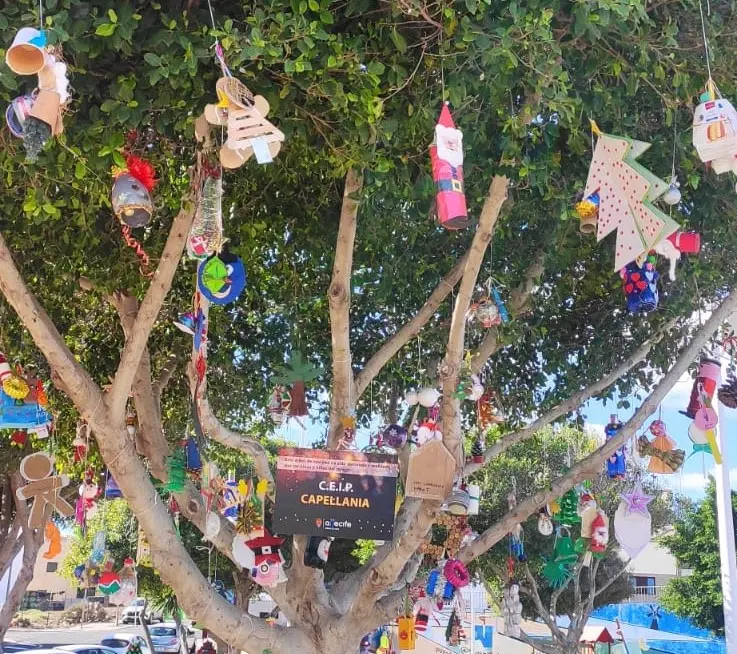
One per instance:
(356,88)
(695,544)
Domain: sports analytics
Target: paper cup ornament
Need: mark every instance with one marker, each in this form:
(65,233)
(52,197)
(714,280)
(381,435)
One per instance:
(221,278)
(715,130)
(626,192)
(446,157)
(131,195)
(26,55)
(641,286)
(632,522)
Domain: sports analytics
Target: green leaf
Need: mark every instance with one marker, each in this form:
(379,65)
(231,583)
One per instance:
(152,59)
(112,15)
(314,5)
(399,41)
(326,17)
(375,68)
(106,29)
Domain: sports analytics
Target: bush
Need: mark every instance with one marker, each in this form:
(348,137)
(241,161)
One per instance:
(93,612)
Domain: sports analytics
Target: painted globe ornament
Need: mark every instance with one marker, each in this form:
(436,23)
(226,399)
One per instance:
(395,436)
(428,397)
(131,195)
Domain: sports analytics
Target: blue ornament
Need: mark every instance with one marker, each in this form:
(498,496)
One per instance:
(194,461)
(640,287)
(616,465)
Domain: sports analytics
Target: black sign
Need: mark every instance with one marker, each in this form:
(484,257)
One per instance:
(342,494)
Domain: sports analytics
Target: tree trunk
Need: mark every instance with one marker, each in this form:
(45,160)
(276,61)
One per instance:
(146,632)
(15,596)
(181,632)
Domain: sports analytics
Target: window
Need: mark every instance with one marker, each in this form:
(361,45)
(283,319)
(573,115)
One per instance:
(644,585)
(51,566)
(117,643)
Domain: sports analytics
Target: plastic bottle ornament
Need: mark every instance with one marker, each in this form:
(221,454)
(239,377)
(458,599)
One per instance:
(599,533)
(641,286)
(131,195)
(17,113)
(130,422)
(568,514)
(395,436)
(474,495)
(715,130)
(675,245)
(186,323)
(206,234)
(616,465)
(428,397)
(673,195)
(459,501)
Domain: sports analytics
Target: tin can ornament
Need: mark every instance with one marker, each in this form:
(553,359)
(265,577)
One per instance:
(131,195)
(446,157)
(641,286)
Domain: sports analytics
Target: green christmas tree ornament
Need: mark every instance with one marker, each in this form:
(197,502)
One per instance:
(568,515)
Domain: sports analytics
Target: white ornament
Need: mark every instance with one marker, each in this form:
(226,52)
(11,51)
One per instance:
(242,554)
(698,436)
(632,529)
(449,143)
(673,194)
(212,525)
(428,397)
(411,398)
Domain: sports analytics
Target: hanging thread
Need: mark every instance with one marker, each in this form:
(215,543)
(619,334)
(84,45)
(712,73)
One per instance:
(136,246)
(706,43)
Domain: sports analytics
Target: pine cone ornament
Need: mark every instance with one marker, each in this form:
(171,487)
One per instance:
(477,451)
(728,393)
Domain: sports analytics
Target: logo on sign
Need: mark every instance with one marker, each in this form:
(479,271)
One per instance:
(336,525)
(318,522)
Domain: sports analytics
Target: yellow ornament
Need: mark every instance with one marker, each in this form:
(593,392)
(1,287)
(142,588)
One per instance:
(262,487)
(554,507)
(16,387)
(586,208)
(243,488)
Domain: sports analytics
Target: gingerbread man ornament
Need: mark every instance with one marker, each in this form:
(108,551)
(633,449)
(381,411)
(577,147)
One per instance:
(43,488)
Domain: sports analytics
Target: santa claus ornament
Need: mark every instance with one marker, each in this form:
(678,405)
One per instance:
(446,157)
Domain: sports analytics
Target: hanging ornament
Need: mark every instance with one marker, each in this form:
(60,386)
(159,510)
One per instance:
(641,285)
(128,581)
(512,610)
(454,633)
(632,522)
(143,550)
(346,441)
(616,464)
(487,416)
(221,278)
(80,441)
(587,509)
(477,451)
(395,436)
(446,157)
(626,193)
(407,633)
(459,501)
(279,404)
(109,583)
(206,234)
(715,130)
(588,211)
(43,488)
(89,491)
(295,373)
(599,534)
(19,438)
(707,377)
(675,245)
(544,523)
(474,493)
(17,113)
(194,460)
(411,398)
(428,397)
(176,469)
(568,514)
(557,570)
(728,393)
(112,490)
(266,569)
(317,552)
(131,194)
(673,195)
(423,609)
(130,421)
(52,535)
(665,459)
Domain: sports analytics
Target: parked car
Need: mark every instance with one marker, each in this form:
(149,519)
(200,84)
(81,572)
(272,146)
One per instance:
(132,613)
(120,643)
(86,649)
(165,638)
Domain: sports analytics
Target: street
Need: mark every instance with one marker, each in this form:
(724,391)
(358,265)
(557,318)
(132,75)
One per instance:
(88,634)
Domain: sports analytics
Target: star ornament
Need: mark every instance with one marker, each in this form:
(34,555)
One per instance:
(637,501)
(626,192)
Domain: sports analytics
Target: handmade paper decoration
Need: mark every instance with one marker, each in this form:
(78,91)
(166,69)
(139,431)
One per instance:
(446,157)
(640,285)
(407,633)
(715,130)
(626,192)
(279,404)
(52,535)
(707,378)
(431,472)
(128,580)
(512,610)
(295,373)
(665,459)
(266,568)
(131,194)
(317,552)
(616,465)
(447,539)
(568,514)
(558,568)
(249,133)
(43,488)
(599,534)
(675,245)
(423,609)
(632,522)
(109,582)
(221,278)
(206,234)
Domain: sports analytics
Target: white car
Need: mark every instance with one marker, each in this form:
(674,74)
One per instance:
(120,643)
(85,649)
(132,613)
(165,638)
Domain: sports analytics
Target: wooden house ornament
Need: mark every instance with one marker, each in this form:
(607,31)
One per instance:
(431,472)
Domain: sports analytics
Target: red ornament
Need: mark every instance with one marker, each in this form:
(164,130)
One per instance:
(142,170)
(19,437)
(446,157)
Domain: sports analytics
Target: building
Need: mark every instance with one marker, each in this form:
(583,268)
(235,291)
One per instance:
(651,570)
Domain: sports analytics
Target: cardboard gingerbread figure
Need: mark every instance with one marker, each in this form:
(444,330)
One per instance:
(43,488)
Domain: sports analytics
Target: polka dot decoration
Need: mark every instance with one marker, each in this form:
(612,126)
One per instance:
(626,192)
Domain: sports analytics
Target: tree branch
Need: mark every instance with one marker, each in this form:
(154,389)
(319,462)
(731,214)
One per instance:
(65,369)
(612,579)
(339,296)
(221,434)
(152,302)
(518,304)
(591,465)
(165,375)
(451,366)
(531,590)
(572,403)
(408,331)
